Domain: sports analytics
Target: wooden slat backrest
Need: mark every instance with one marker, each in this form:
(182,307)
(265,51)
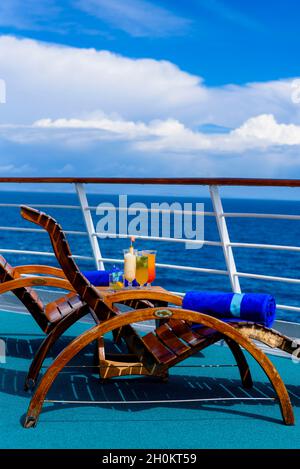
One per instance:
(26,295)
(87,292)
(149,348)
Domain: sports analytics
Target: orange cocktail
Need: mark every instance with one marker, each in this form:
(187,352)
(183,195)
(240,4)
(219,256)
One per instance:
(151,266)
(141,274)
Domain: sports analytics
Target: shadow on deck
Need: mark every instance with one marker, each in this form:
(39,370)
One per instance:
(186,382)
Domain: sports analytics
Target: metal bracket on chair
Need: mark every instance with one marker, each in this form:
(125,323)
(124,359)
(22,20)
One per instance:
(163,313)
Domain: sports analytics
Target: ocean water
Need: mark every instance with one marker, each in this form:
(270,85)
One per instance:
(248,230)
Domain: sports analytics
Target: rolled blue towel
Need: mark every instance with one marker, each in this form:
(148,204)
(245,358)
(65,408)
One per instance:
(98,278)
(254,307)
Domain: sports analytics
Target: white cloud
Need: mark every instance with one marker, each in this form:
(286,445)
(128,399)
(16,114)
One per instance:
(2,91)
(296,91)
(66,169)
(127,129)
(50,80)
(53,81)
(82,103)
(258,132)
(266,131)
(231,105)
(14,169)
(139,18)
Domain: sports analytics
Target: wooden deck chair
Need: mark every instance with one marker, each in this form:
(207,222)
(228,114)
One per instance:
(157,351)
(53,318)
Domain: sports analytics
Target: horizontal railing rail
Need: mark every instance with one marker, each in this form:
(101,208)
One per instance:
(160,238)
(69,207)
(40,253)
(275,247)
(38,230)
(288,308)
(153,210)
(261,215)
(157,181)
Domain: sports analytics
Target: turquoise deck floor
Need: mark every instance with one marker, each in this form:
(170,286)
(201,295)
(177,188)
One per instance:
(213,425)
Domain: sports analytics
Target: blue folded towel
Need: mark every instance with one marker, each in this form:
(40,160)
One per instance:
(98,278)
(254,307)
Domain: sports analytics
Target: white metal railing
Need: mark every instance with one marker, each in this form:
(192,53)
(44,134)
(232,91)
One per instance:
(161,238)
(70,207)
(39,230)
(41,253)
(261,215)
(225,243)
(89,224)
(225,240)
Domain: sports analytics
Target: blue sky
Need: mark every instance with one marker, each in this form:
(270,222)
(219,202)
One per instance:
(144,87)
(225,41)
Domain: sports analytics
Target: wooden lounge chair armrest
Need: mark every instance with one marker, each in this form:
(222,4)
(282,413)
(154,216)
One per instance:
(141,294)
(39,269)
(35,281)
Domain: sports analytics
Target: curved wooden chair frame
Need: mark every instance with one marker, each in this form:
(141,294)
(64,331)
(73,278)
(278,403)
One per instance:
(39,269)
(87,337)
(131,298)
(12,285)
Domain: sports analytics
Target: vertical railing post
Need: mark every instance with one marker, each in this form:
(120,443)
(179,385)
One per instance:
(224,237)
(87,216)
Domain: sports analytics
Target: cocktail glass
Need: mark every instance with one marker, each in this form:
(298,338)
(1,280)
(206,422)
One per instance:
(116,280)
(129,266)
(151,266)
(141,274)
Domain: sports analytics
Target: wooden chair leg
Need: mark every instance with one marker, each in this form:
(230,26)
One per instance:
(47,343)
(101,358)
(241,363)
(38,360)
